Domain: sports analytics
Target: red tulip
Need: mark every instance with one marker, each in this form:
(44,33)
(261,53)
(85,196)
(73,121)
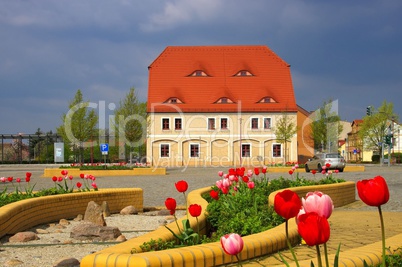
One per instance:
(64,172)
(225,190)
(232,244)
(287,204)
(70,177)
(313,172)
(18,180)
(181,186)
(264,170)
(245,179)
(214,194)
(82,175)
(327,165)
(240,171)
(79,184)
(314,229)
(257,171)
(94,185)
(290,172)
(54,178)
(28,179)
(10,179)
(170,204)
(373,192)
(195,210)
(28,175)
(220,173)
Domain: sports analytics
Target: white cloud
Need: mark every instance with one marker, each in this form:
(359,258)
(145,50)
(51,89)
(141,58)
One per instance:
(180,12)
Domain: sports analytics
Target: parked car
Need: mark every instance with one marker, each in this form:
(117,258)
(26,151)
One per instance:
(334,160)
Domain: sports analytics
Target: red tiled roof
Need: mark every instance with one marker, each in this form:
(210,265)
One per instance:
(169,77)
(357,122)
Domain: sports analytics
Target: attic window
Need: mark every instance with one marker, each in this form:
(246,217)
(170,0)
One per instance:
(174,100)
(224,100)
(199,73)
(244,73)
(267,100)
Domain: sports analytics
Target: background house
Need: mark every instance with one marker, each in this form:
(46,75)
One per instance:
(218,106)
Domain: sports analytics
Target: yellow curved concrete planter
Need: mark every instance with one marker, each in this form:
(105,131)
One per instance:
(212,254)
(24,214)
(48,173)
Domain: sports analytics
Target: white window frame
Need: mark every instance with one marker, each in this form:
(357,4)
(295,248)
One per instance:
(211,118)
(160,150)
(174,122)
(227,123)
(164,118)
(189,150)
(251,123)
(270,123)
(272,149)
(241,152)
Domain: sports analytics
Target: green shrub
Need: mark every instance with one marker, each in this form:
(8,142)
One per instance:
(246,211)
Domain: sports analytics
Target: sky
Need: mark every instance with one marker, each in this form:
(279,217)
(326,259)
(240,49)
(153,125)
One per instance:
(348,51)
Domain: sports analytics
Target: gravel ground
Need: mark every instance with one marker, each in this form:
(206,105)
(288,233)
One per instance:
(57,244)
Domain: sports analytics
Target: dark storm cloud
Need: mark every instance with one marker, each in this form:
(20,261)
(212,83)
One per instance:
(350,51)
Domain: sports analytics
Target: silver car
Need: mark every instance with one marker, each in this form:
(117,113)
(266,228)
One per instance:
(331,161)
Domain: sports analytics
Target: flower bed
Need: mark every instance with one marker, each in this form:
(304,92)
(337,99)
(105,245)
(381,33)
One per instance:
(99,173)
(210,254)
(24,214)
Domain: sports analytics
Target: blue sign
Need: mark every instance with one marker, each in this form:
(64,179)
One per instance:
(104,148)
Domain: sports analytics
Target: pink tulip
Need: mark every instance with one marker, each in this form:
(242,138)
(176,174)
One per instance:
(220,173)
(319,203)
(219,184)
(232,244)
(250,184)
(226,183)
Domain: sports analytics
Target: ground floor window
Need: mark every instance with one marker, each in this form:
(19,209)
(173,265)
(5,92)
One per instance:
(245,150)
(165,150)
(194,150)
(276,150)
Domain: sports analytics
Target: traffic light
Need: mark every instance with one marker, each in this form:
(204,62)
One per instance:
(388,139)
(368,110)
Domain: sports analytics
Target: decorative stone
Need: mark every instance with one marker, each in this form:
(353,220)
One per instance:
(64,222)
(129,210)
(79,218)
(121,238)
(94,214)
(41,231)
(23,237)
(13,263)
(67,262)
(91,231)
(105,209)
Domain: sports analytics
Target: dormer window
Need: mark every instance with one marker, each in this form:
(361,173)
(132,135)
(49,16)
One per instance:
(224,100)
(174,100)
(267,100)
(198,73)
(244,73)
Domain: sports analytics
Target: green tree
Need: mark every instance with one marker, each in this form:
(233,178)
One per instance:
(79,126)
(130,124)
(326,128)
(376,126)
(285,129)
